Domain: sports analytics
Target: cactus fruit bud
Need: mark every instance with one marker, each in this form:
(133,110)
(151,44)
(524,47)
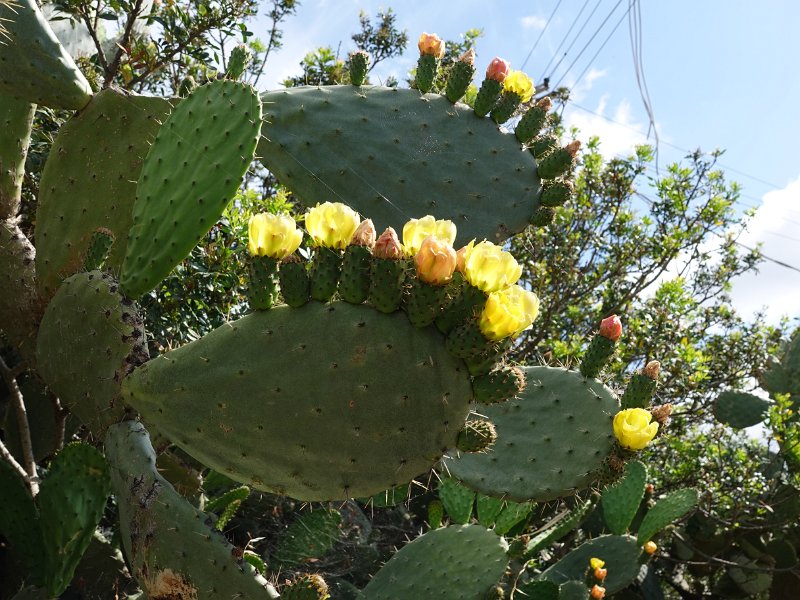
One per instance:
(460,76)
(596,563)
(600,574)
(326,269)
(262,291)
(611,328)
(652,369)
(597,592)
(307,587)
(275,236)
(649,489)
(359,64)
(435,514)
(499,385)
(435,261)
(573,148)
(556,193)
(416,230)
(542,145)
(241,57)
(497,69)
(558,161)
(477,436)
(517,88)
(388,246)
(650,547)
(634,428)
(332,224)
(642,387)
(430,44)
(661,413)
(530,125)
(365,234)
(490,268)
(543,216)
(508,313)
(355,279)
(295,284)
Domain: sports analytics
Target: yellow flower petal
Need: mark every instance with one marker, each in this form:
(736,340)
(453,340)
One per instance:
(332,224)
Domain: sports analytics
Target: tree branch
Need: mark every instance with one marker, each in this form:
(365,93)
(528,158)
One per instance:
(23,426)
(124,41)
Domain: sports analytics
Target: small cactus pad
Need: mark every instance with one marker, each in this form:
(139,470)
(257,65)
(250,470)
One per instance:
(552,439)
(417,155)
(666,511)
(89,182)
(240,400)
(34,66)
(309,538)
(19,520)
(621,500)
(784,377)
(171,549)
(620,553)
(19,303)
(457,500)
(560,529)
(71,501)
(455,563)
(89,340)
(16,119)
(740,409)
(573,590)
(192,171)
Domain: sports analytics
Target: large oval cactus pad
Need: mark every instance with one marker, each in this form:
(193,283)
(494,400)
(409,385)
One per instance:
(395,154)
(454,563)
(34,66)
(192,171)
(89,182)
(323,402)
(89,340)
(552,439)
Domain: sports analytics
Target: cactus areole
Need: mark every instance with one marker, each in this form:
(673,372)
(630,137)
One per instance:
(323,402)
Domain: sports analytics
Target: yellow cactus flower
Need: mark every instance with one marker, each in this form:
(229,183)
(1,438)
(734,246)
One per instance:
(650,547)
(489,268)
(508,312)
(430,43)
(416,230)
(634,429)
(436,261)
(520,84)
(275,236)
(597,563)
(461,257)
(332,224)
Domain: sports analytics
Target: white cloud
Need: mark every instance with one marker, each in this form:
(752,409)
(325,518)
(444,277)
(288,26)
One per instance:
(533,22)
(617,136)
(774,288)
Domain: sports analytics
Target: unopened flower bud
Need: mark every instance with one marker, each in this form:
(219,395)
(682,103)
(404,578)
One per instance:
(597,563)
(598,592)
(661,413)
(545,104)
(600,574)
(497,69)
(364,234)
(573,147)
(430,43)
(652,370)
(468,57)
(650,547)
(388,245)
(611,328)
(436,261)
(649,488)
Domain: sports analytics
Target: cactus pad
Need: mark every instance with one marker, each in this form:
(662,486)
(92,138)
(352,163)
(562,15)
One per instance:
(19,303)
(457,500)
(455,563)
(417,155)
(620,553)
(34,66)
(16,119)
(552,439)
(170,547)
(89,340)
(740,409)
(621,500)
(309,538)
(240,400)
(667,510)
(188,178)
(89,182)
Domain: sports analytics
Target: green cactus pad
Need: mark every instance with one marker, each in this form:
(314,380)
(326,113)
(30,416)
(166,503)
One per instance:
(424,302)
(740,409)
(20,308)
(621,501)
(561,528)
(89,182)
(99,245)
(19,520)
(458,80)
(487,509)
(16,119)
(295,284)
(620,553)
(90,338)
(170,547)
(455,563)
(573,590)
(555,164)
(324,274)
(784,377)
(386,284)
(307,587)
(542,145)
(457,500)
(311,536)
(262,290)
(505,107)
(359,64)
(531,123)
(413,155)
(538,590)
(71,501)
(34,66)
(498,385)
(435,514)
(240,400)
(552,439)
(427,65)
(666,511)
(487,96)
(192,171)
(597,355)
(639,392)
(513,514)
(354,282)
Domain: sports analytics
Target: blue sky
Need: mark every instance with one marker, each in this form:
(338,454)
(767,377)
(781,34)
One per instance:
(720,73)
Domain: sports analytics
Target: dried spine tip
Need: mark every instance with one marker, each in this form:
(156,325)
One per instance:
(365,234)
(573,147)
(545,103)
(652,369)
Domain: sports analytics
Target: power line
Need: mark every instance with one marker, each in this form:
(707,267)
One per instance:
(564,39)
(635,33)
(575,39)
(536,43)
(591,39)
(767,258)
(600,49)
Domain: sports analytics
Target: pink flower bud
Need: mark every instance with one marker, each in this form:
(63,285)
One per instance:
(468,57)
(545,104)
(497,69)
(611,328)
(573,147)
(364,235)
(388,246)
(430,43)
